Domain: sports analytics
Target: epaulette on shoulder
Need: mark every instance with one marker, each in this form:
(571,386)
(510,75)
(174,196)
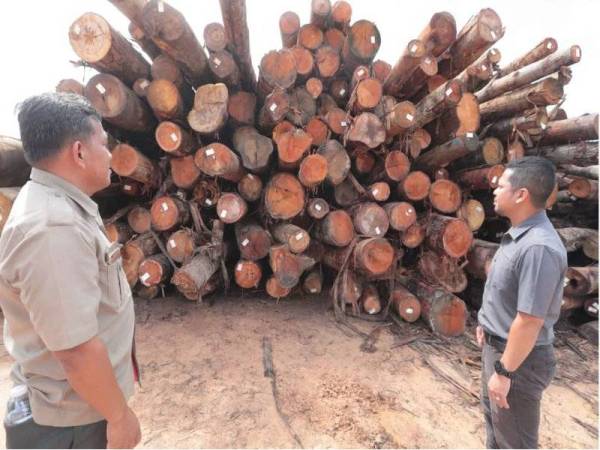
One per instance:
(60,210)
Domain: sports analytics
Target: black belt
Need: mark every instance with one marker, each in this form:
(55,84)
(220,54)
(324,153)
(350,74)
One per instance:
(494,340)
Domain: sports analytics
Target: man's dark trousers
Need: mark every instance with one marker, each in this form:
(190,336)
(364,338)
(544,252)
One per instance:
(31,435)
(518,426)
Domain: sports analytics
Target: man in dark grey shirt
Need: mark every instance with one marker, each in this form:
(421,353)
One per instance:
(521,304)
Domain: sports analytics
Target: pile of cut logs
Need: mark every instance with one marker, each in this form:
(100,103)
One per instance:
(331,168)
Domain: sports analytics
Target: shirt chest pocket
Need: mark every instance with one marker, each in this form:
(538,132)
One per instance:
(502,276)
(115,290)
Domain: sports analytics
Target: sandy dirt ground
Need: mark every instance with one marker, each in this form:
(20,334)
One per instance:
(390,386)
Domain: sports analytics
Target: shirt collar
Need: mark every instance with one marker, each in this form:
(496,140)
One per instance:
(73,192)
(536,219)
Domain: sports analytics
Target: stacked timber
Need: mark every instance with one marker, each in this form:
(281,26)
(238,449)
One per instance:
(330,167)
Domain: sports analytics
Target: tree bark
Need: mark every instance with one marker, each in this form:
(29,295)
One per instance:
(581,153)
(528,74)
(291,235)
(169,30)
(582,128)
(440,270)
(404,67)
(540,51)
(289,24)
(442,155)
(581,281)
(481,179)
(546,92)
(479,34)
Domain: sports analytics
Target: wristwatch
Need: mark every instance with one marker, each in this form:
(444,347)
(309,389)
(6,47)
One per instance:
(501,370)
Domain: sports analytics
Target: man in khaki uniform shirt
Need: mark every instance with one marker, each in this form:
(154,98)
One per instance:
(68,308)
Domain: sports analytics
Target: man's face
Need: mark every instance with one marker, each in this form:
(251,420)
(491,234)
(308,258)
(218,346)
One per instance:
(504,195)
(97,158)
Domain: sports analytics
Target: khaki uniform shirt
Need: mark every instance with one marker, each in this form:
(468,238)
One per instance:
(61,284)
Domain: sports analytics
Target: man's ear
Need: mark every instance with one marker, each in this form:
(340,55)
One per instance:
(76,153)
(523,195)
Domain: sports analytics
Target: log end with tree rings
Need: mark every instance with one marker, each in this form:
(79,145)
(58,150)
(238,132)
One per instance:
(310,36)
(341,14)
(362,41)
(448,316)
(381,70)
(373,256)
(209,113)
(472,212)
(247,274)
(282,127)
(582,188)
(314,86)
(327,60)
(250,187)
(275,289)
(337,228)
(445,196)
(69,85)
(126,161)
(289,24)
(402,215)
(313,283)
(139,219)
(164,99)
(335,39)
(284,196)
(252,240)
(413,236)
(380,191)
(368,93)
(406,304)
(215,38)
(278,69)
(91,38)
(218,160)
(313,170)
(292,145)
(180,245)
(166,213)
(154,270)
(397,165)
(184,171)
(370,219)
(231,207)
(450,235)
(443,271)
(317,130)
(338,120)
(107,94)
(370,301)
(241,107)
(166,68)
(415,186)
(317,208)
(305,61)
(169,137)
(492,151)
(467,112)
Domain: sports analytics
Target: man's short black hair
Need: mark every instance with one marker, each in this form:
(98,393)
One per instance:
(535,174)
(49,121)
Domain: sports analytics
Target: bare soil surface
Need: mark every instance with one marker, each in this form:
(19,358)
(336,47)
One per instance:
(390,386)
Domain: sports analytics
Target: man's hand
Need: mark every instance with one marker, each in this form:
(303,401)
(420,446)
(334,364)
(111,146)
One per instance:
(479,336)
(124,431)
(498,387)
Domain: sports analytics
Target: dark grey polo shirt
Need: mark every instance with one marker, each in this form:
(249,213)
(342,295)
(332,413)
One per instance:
(527,275)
